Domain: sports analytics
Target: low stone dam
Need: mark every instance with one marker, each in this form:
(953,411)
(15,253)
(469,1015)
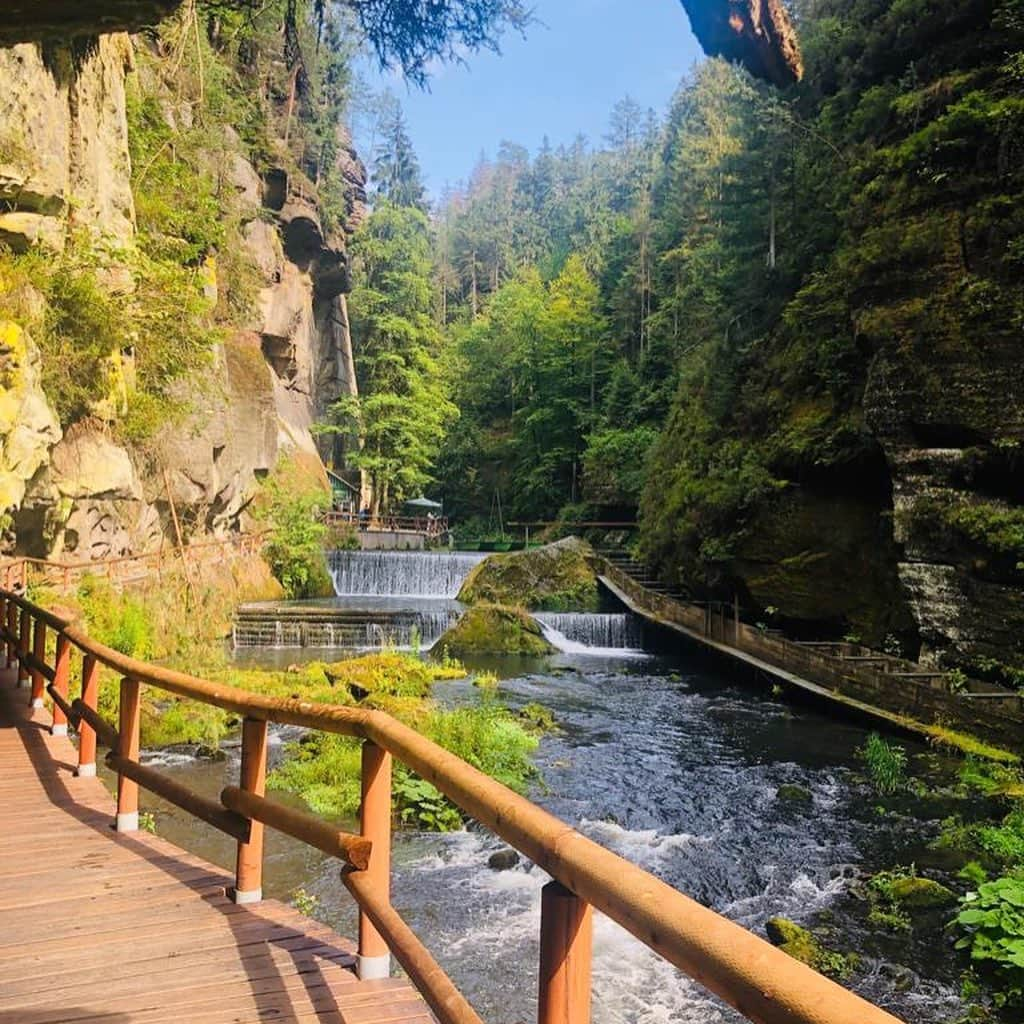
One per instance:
(383,599)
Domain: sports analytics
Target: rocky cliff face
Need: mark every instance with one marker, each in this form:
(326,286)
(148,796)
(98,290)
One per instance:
(65,170)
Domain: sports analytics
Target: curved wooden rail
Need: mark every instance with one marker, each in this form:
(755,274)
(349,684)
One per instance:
(762,982)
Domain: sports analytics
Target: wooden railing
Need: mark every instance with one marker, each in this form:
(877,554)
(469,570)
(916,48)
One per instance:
(762,982)
(429,526)
(16,571)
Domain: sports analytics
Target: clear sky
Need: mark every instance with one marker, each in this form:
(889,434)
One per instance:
(564,78)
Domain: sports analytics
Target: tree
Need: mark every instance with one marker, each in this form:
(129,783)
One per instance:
(396,170)
(403,409)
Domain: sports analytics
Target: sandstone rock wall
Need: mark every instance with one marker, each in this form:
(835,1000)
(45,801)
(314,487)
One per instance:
(65,166)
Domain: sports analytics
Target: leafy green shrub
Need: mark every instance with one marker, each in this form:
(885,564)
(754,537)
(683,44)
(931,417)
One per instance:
(886,763)
(423,805)
(116,619)
(295,550)
(993,919)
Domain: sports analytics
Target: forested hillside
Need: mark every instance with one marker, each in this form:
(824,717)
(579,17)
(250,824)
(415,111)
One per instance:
(784,325)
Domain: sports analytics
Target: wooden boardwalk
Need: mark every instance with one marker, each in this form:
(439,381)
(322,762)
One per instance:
(110,928)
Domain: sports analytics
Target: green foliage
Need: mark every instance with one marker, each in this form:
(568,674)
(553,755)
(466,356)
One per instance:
(886,763)
(116,619)
(993,919)
(325,769)
(403,410)
(304,902)
(290,506)
(424,806)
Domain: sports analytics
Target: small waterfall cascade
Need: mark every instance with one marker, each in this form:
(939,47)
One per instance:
(587,632)
(342,627)
(400,573)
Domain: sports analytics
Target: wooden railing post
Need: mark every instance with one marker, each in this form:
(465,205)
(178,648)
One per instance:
(86,733)
(12,631)
(24,634)
(39,651)
(375,824)
(566,946)
(128,747)
(249,860)
(61,676)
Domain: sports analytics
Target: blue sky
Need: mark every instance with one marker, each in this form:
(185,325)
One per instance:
(562,79)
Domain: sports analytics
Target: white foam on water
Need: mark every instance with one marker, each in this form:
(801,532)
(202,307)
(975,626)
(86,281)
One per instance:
(641,846)
(561,642)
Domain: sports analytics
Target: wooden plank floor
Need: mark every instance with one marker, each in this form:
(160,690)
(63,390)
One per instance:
(128,929)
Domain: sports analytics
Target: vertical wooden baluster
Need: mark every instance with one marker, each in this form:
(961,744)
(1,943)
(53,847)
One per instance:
(3,619)
(375,820)
(128,747)
(24,634)
(566,945)
(249,861)
(61,676)
(39,650)
(12,629)
(86,734)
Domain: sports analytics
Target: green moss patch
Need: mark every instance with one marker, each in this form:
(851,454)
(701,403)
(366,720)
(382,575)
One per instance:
(556,577)
(802,945)
(495,629)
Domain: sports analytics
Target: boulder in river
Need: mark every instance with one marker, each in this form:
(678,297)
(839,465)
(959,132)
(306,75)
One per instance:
(503,860)
(791,793)
(555,577)
(494,629)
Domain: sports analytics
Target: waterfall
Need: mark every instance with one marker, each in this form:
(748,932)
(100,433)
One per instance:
(585,632)
(400,573)
(350,628)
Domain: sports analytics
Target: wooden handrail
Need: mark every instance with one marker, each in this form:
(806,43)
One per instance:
(235,825)
(352,849)
(762,982)
(447,1002)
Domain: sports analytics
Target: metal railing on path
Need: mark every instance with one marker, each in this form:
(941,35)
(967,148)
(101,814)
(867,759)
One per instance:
(762,982)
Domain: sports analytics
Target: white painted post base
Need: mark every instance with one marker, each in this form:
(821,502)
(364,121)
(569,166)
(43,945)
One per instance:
(128,822)
(37,702)
(370,967)
(24,684)
(86,771)
(59,730)
(248,897)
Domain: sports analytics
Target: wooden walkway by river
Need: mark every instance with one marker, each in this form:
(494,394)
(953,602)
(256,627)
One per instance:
(124,928)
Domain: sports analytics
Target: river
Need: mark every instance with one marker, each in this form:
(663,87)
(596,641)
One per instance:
(667,761)
(675,767)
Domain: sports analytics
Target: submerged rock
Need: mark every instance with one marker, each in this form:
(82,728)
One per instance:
(495,629)
(802,945)
(503,860)
(791,793)
(556,577)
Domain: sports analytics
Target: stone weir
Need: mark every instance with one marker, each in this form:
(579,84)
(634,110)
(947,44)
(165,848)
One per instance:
(338,624)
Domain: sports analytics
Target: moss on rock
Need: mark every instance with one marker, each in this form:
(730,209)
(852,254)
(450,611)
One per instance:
(802,945)
(791,793)
(495,629)
(921,893)
(556,577)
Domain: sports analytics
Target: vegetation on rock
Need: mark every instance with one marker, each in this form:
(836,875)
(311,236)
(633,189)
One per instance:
(802,945)
(556,577)
(495,629)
